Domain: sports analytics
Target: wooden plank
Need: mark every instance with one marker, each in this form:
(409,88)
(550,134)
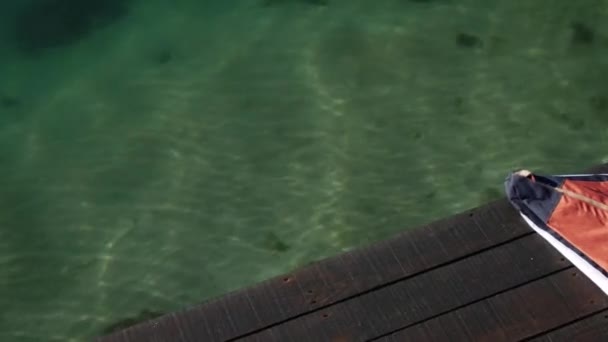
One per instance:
(514,315)
(424,296)
(589,329)
(336,279)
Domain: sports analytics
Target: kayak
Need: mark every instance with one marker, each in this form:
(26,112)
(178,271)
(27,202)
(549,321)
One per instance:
(570,212)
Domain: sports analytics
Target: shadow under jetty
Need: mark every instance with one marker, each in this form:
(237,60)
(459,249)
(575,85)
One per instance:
(144,315)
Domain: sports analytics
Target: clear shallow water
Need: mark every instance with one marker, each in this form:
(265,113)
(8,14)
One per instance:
(181,151)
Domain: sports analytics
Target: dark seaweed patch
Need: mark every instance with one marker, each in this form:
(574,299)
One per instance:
(459,106)
(45,24)
(164,57)
(599,103)
(574,122)
(417,135)
(431,195)
(458,102)
(466,40)
(274,243)
(581,33)
(8,102)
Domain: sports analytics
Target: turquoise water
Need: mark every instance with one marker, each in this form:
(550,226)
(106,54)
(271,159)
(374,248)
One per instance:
(155,154)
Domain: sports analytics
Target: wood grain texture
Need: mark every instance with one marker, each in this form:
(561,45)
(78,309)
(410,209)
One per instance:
(422,297)
(514,315)
(589,329)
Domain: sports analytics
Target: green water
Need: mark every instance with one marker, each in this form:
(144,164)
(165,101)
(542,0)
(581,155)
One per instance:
(183,149)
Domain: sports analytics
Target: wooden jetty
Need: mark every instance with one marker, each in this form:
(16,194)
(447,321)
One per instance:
(482,275)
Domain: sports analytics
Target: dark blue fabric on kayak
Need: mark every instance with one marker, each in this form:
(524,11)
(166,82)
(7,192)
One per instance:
(532,199)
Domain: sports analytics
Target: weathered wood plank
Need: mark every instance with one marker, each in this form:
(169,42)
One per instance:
(514,315)
(339,278)
(419,298)
(589,329)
